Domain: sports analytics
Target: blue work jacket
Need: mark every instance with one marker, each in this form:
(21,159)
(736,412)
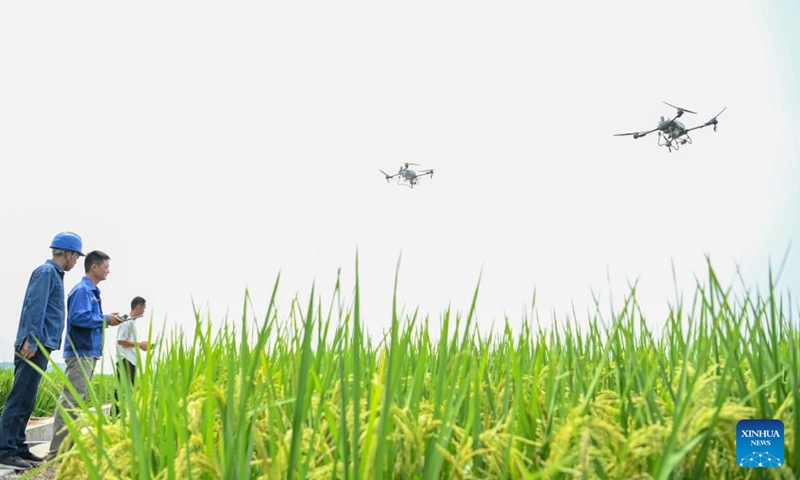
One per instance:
(42,315)
(85,321)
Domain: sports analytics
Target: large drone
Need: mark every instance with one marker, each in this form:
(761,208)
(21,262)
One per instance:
(407,177)
(672,133)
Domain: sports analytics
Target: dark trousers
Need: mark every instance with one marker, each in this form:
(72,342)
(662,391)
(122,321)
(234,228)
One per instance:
(126,374)
(19,404)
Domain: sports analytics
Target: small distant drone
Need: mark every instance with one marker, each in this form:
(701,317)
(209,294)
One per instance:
(672,133)
(407,177)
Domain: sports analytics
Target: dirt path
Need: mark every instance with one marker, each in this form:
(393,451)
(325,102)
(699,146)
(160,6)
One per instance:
(47,473)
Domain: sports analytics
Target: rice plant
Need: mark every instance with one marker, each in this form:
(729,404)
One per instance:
(309,395)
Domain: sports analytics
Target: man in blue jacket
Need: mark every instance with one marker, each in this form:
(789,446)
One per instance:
(41,325)
(84,342)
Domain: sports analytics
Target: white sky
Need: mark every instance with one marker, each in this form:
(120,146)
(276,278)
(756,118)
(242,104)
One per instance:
(206,147)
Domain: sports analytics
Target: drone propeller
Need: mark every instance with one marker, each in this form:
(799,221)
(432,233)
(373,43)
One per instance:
(680,110)
(713,121)
(407,164)
(426,172)
(386,175)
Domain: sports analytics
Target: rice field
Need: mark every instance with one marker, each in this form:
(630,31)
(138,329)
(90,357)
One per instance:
(50,388)
(308,395)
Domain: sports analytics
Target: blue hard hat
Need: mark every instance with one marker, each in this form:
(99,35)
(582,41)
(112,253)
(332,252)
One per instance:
(68,241)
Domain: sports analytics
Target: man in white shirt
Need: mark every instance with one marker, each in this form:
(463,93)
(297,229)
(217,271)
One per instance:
(127,343)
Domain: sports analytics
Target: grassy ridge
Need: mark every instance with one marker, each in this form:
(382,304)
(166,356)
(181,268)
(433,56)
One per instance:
(308,395)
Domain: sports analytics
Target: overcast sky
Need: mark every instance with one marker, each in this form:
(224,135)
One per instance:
(206,147)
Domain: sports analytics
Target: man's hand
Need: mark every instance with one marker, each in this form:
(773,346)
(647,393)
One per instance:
(143,345)
(114,319)
(23,350)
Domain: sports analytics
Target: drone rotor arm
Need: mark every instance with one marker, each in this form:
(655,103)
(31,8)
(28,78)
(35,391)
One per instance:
(714,121)
(636,134)
(698,127)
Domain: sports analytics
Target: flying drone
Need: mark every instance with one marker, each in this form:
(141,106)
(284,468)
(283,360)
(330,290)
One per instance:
(407,177)
(672,133)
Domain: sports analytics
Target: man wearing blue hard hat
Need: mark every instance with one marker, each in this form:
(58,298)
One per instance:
(41,326)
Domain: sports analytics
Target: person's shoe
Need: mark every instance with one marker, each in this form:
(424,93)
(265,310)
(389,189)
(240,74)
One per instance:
(15,462)
(31,457)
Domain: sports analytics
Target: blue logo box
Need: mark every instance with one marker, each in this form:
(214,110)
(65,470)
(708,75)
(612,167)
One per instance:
(759,443)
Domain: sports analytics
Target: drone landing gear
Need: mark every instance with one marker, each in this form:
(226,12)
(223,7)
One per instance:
(669,142)
(673,143)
